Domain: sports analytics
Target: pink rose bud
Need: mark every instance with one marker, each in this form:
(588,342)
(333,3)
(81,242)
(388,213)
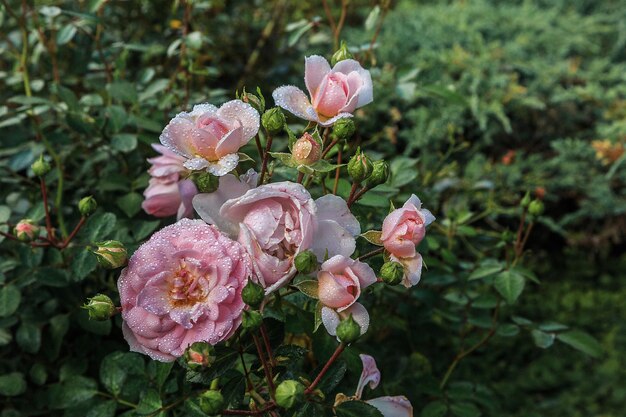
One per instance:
(26,230)
(403,230)
(182,286)
(341,280)
(334,93)
(306,150)
(209,138)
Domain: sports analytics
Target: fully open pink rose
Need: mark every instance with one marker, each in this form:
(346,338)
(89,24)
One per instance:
(182,286)
(168,193)
(398,406)
(209,138)
(341,280)
(334,93)
(403,230)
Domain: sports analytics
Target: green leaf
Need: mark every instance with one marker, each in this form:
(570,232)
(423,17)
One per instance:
(99,226)
(308,287)
(28,337)
(12,384)
(66,34)
(510,285)
(154,88)
(373,237)
(581,341)
(435,409)
(372,18)
(465,410)
(124,142)
(104,409)
(130,204)
(485,271)
(82,265)
(149,403)
(357,409)
(542,339)
(192,409)
(10,298)
(113,372)
(318,316)
(71,392)
(285,158)
(324,166)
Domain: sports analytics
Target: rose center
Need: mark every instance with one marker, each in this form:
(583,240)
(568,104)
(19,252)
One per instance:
(187,286)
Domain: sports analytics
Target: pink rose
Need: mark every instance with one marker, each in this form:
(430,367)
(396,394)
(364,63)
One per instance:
(403,230)
(335,93)
(331,317)
(341,280)
(182,286)
(167,193)
(209,138)
(398,406)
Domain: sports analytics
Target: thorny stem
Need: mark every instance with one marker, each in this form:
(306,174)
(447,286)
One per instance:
(325,369)
(266,367)
(465,353)
(266,156)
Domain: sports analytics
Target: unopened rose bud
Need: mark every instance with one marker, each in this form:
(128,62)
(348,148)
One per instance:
(273,120)
(206,182)
(306,150)
(380,174)
(253,294)
(251,319)
(359,167)
(25,230)
(200,355)
(40,167)
(212,402)
(306,262)
(526,200)
(110,254)
(348,331)
(344,128)
(392,272)
(87,206)
(535,208)
(100,307)
(341,54)
(257,102)
(289,393)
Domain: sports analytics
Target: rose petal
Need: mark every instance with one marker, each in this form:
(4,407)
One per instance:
(332,207)
(369,376)
(225,164)
(333,238)
(294,101)
(247,116)
(398,406)
(315,69)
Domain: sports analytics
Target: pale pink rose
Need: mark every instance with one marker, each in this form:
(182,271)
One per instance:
(209,138)
(331,317)
(341,280)
(403,230)
(334,93)
(336,228)
(398,406)
(168,193)
(182,286)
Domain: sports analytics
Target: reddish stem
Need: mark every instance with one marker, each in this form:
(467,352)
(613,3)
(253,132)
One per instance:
(325,369)
(268,347)
(266,155)
(71,236)
(337,172)
(266,367)
(44,195)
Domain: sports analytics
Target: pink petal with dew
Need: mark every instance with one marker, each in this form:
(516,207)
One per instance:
(295,101)
(315,69)
(369,376)
(333,290)
(366,92)
(332,238)
(332,207)
(230,142)
(247,116)
(398,406)
(224,165)
(331,319)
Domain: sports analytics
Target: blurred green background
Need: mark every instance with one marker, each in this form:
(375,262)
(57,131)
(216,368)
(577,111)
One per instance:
(476,103)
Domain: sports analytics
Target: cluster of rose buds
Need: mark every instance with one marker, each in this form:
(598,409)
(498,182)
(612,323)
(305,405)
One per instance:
(198,282)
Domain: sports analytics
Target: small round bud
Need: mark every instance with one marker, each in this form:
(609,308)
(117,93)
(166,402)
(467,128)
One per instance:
(200,355)
(535,208)
(40,167)
(253,294)
(344,128)
(306,262)
(100,307)
(526,200)
(380,174)
(87,206)
(392,272)
(25,230)
(341,54)
(273,120)
(306,150)
(359,167)
(110,254)
(206,182)
(255,101)
(289,393)
(212,402)
(251,319)
(348,331)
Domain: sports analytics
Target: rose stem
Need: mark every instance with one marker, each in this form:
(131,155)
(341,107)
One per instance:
(372,253)
(266,155)
(266,368)
(319,377)
(268,347)
(337,171)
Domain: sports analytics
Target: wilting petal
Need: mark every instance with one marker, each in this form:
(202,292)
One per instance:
(370,375)
(294,101)
(398,406)
(315,69)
